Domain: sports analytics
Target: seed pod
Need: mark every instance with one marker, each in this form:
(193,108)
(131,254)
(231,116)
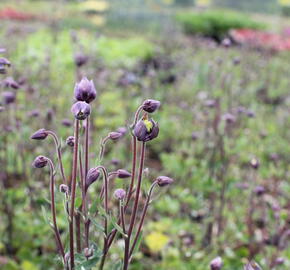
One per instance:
(114,136)
(40,162)
(85,90)
(123,173)
(70,141)
(146,130)
(151,105)
(81,110)
(8,97)
(92,176)
(40,134)
(216,264)
(164,181)
(120,194)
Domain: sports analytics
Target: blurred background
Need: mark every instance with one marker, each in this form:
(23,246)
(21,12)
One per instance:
(221,71)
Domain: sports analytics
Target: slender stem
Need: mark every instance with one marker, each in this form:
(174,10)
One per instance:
(135,208)
(73,194)
(53,211)
(142,218)
(102,149)
(84,193)
(59,156)
(122,214)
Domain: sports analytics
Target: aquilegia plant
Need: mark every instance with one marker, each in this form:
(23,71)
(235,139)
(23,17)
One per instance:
(82,251)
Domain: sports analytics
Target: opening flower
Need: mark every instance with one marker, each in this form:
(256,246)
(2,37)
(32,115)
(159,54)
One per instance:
(81,110)
(85,90)
(120,194)
(146,130)
(40,162)
(151,105)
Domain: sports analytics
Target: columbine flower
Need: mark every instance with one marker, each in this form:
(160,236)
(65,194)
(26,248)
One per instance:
(123,173)
(81,110)
(164,181)
(151,105)
(114,136)
(40,134)
(216,264)
(8,97)
(70,141)
(120,194)
(40,162)
(85,90)
(92,176)
(146,130)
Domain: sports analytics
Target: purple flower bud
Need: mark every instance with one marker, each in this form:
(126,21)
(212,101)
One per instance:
(146,130)
(40,162)
(34,113)
(122,130)
(250,113)
(8,97)
(279,261)
(115,162)
(81,110)
(164,181)
(92,176)
(114,136)
(63,188)
(88,252)
(70,141)
(255,164)
(210,103)
(252,266)
(120,194)
(80,59)
(259,190)
(226,43)
(85,90)
(40,134)
(194,136)
(123,173)
(3,64)
(216,264)
(229,118)
(2,108)
(151,105)
(66,122)
(11,83)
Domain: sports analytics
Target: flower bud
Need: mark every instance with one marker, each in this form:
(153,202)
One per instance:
(114,136)
(122,130)
(88,252)
(164,181)
(3,64)
(40,162)
(40,134)
(80,59)
(146,130)
(259,190)
(252,266)
(255,164)
(11,83)
(63,188)
(229,118)
(151,105)
(216,264)
(92,176)
(120,194)
(8,97)
(85,90)
(66,122)
(81,110)
(123,173)
(70,141)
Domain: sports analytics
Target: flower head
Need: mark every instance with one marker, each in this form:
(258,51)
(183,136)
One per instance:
(8,97)
(216,264)
(120,194)
(146,130)
(85,90)
(80,59)
(3,64)
(40,134)
(164,181)
(114,136)
(70,141)
(92,176)
(81,110)
(151,105)
(40,162)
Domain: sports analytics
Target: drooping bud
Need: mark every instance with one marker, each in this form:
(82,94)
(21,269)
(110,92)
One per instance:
(85,90)
(151,105)
(70,141)
(40,162)
(40,134)
(216,264)
(164,181)
(88,252)
(92,176)
(81,110)
(8,97)
(122,130)
(252,266)
(11,83)
(146,130)
(123,173)
(63,188)
(120,194)
(114,136)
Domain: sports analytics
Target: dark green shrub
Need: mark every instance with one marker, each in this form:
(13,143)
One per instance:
(215,24)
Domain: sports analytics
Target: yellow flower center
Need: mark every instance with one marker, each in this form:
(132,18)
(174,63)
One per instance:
(148,125)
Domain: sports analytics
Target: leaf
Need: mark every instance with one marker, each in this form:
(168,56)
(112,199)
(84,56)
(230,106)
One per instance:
(97,225)
(117,266)
(139,240)
(44,213)
(87,265)
(117,226)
